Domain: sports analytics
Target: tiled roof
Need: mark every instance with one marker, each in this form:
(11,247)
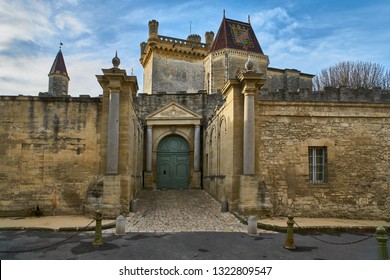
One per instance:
(58,66)
(236,35)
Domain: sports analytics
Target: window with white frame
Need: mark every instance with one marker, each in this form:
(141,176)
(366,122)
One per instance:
(317,165)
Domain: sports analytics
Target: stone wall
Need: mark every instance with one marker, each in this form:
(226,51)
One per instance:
(357,137)
(147,77)
(290,80)
(170,74)
(58,85)
(353,125)
(49,153)
(329,94)
(200,103)
(222,148)
(225,64)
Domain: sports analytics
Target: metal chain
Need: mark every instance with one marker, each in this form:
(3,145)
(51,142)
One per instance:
(46,246)
(337,243)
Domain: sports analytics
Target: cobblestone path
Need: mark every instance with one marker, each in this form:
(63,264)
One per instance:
(180,211)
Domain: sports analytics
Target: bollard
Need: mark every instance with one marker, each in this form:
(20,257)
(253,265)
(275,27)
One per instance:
(224,206)
(120,225)
(133,206)
(252,225)
(289,243)
(381,236)
(98,240)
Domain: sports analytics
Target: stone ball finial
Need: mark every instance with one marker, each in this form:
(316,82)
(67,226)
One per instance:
(249,65)
(116,61)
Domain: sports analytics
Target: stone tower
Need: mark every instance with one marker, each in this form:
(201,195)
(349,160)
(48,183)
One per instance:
(172,64)
(58,77)
(234,43)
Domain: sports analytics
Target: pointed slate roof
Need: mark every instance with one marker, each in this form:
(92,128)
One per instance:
(58,66)
(236,35)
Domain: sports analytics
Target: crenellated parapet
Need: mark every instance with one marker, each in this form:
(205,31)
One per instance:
(173,47)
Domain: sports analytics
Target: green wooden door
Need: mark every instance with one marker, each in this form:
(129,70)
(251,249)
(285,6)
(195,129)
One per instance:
(173,163)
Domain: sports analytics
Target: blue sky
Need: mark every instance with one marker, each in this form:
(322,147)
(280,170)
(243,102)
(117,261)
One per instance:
(301,34)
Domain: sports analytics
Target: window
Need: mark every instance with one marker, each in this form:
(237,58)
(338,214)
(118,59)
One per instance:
(317,165)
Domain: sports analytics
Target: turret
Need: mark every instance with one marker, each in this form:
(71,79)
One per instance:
(229,51)
(153,30)
(172,64)
(209,38)
(58,77)
(194,38)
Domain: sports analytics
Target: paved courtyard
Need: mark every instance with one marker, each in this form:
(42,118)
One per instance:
(180,211)
(183,225)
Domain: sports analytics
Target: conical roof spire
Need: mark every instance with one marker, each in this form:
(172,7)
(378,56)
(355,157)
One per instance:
(58,76)
(59,66)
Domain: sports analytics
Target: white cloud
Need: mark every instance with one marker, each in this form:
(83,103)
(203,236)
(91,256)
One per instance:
(30,80)
(279,36)
(66,21)
(82,70)
(276,19)
(33,77)
(66,3)
(23,21)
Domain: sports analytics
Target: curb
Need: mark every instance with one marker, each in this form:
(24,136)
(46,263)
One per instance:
(313,229)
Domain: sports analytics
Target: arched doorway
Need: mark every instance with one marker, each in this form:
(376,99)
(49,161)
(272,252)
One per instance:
(173,163)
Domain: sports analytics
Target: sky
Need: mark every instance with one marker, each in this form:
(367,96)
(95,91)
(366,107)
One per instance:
(308,35)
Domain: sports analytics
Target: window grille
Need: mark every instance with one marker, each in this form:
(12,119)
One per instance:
(317,165)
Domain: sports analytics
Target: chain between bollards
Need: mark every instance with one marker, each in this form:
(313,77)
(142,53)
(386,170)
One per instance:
(98,239)
(289,243)
(381,237)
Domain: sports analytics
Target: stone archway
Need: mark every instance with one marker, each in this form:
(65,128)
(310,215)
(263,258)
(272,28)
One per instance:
(173,163)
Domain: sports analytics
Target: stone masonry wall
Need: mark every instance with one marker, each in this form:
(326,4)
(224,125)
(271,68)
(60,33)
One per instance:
(222,148)
(49,153)
(172,75)
(200,103)
(226,64)
(357,137)
(290,80)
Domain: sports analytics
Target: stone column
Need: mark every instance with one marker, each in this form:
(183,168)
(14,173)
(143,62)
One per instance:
(113,134)
(149,147)
(197,149)
(249,133)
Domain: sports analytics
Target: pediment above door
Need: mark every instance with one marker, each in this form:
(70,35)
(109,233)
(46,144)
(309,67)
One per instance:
(173,114)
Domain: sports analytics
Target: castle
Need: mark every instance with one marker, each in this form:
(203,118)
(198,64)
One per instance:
(213,116)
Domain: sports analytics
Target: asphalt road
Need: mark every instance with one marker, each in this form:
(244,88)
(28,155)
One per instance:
(44,245)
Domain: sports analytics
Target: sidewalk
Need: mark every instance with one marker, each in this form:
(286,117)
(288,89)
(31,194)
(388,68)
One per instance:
(52,223)
(81,223)
(324,225)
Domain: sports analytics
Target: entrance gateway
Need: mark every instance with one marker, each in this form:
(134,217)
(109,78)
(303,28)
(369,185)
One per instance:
(173,163)
(172,158)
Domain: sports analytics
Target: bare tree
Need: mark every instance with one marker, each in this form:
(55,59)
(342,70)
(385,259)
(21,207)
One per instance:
(353,74)
(386,80)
